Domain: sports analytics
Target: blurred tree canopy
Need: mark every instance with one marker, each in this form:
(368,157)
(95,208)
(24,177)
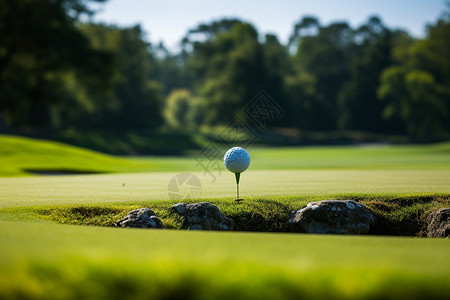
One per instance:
(134,99)
(183,111)
(42,53)
(417,87)
(59,72)
(228,68)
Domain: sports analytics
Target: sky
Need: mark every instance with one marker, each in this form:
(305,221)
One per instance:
(169,20)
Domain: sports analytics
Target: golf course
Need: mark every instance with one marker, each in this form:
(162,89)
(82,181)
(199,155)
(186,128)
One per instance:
(224,150)
(47,253)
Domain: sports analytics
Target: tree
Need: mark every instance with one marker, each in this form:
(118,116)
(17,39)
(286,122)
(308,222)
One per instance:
(182,110)
(228,70)
(324,59)
(135,100)
(277,67)
(417,88)
(170,69)
(359,106)
(40,45)
(307,26)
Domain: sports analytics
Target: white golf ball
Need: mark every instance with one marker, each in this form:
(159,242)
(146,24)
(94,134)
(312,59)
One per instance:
(236,160)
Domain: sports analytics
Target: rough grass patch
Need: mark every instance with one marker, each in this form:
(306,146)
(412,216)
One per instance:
(394,215)
(258,215)
(93,215)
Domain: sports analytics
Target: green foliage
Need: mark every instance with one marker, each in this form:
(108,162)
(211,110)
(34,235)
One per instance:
(329,81)
(182,111)
(41,53)
(81,76)
(135,100)
(277,67)
(326,57)
(56,73)
(357,100)
(170,69)
(229,68)
(416,88)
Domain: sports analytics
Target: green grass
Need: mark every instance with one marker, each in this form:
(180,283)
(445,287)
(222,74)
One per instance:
(68,262)
(129,188)
(394,216)
(411,157)
(18,154)
(43,260)
(162,142)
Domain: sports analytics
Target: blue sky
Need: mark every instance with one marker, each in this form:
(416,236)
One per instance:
(169,20)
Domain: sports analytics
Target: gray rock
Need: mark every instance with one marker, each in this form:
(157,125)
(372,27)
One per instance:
(439,223)
(140,218)
(202,216)
(179,208)
(332,217)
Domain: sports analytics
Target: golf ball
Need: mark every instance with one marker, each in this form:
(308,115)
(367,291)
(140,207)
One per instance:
(236,160)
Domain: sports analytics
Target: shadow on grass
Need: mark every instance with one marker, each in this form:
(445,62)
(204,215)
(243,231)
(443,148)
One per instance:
(62,171)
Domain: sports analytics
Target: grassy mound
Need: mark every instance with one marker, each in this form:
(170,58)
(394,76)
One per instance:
(21,156)
(394,216)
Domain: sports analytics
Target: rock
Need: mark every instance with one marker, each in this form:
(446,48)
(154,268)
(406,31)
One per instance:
(439,223)
(140,218)
(179,208)
(332,216)
(202,216)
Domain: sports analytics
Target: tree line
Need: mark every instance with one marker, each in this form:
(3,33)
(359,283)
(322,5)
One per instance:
(58,72)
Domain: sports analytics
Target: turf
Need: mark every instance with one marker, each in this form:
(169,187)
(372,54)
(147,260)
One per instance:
(21,156)
(44,260)
(376,157)
(73,262)
(128,188)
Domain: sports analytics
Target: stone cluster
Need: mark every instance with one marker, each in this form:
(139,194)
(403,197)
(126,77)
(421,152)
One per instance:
(322,217)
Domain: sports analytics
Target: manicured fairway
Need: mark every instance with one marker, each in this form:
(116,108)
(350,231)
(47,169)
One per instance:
(83,189)
(43,260)
(51,261)
(48,261)
(19,155)
(411,157)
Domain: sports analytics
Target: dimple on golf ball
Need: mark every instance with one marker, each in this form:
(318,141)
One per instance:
(236,160)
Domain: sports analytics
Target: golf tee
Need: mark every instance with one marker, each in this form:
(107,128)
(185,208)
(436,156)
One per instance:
(238,176)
